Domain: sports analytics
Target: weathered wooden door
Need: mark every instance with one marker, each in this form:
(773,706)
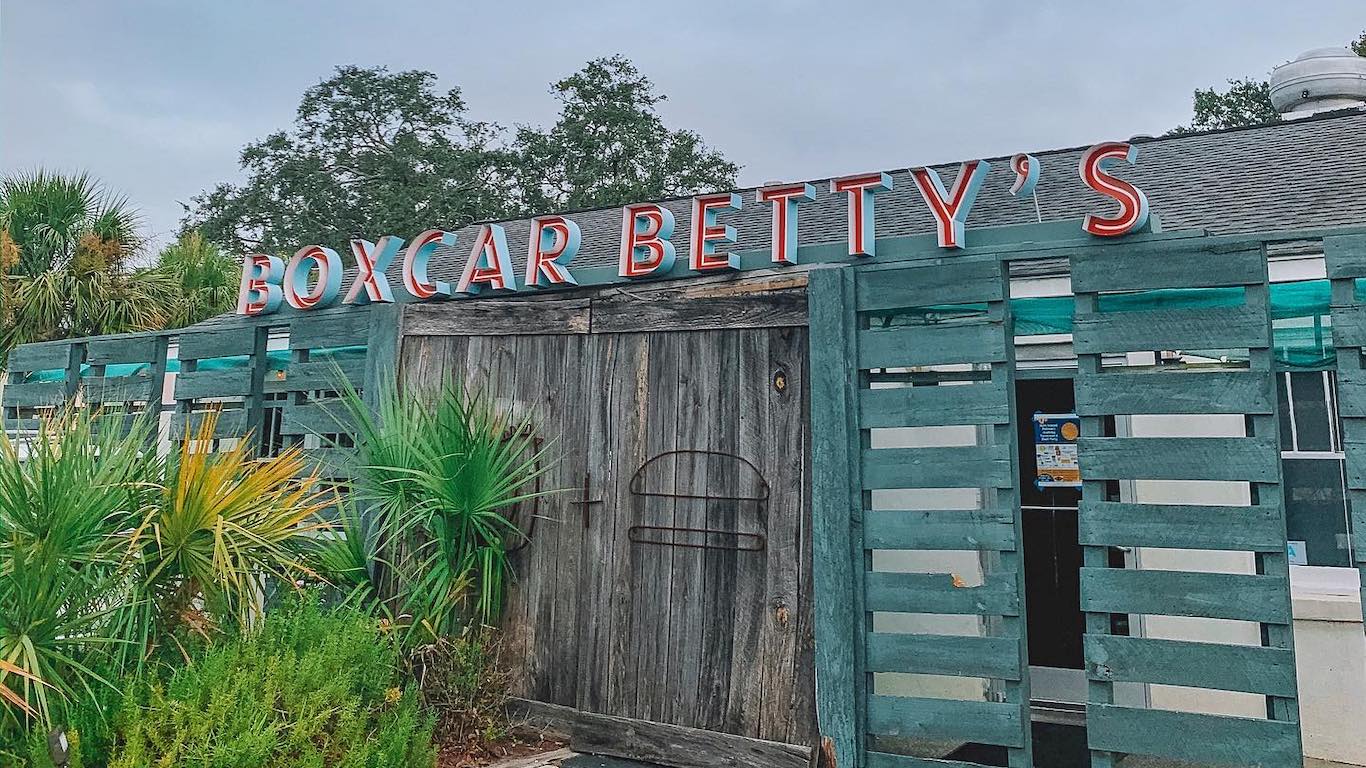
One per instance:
(669,577)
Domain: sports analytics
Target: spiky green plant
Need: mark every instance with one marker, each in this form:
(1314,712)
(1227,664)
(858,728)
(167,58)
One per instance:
(206,279)
(438,475)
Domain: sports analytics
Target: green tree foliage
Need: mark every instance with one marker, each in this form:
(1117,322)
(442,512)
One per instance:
(1245,102)
(610,146)
(205,276)
(370,151)
(68,252)
(373,152)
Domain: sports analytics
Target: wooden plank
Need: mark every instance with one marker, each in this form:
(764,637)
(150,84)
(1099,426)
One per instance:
(960,655)
(661,744)
(343,327)
(1221,740)
(201,345)
(561,383)
(1247,668)
(1349,326)
(497,317)
(940,529)
(35,394)
(1176,393)
(1197,265)
(837,611)
(916,345)
(330,463)
(121,389)
(1250,459)
(233,423)
(970,282)
(982,402)
(984,722)
(1351,387)
(629,312)
(44,356)
(325,374)
(940,593)
(133,348)
(975,466)
(1244,597)
(221,382)
(1182,526)
(889,760)
(1217,328)
(1345,256)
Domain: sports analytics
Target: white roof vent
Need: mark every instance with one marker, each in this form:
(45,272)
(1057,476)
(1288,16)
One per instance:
(1319,80)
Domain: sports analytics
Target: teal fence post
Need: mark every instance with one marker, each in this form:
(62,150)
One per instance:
(836,509)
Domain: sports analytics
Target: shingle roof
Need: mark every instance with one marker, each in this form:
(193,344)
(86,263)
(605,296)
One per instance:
(1301,174)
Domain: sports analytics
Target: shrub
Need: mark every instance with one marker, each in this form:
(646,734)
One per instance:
(461,680)
(311,688)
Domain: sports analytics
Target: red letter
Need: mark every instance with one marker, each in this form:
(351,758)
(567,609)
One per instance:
(1133,204)
(862,237)
(706,233)
(260,289)
(784,200)
(645,247)
(554,243)
(950,207)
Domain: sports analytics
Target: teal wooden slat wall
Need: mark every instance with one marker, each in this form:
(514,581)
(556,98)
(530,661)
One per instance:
(1110,388)
(867,321)
(1345,259)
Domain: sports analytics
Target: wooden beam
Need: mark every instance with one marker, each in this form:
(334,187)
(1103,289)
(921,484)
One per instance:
(671,746)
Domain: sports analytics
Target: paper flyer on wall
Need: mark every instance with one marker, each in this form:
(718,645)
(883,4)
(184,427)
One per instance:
(1055,450)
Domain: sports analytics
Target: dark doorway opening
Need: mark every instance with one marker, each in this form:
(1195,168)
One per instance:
(1052,554)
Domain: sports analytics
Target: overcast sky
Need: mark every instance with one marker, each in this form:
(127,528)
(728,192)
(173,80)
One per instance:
(157,97)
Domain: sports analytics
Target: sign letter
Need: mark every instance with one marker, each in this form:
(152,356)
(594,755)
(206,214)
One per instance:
(372,284)
(301,265)
(950,207)
(554,243)
(1133,204)
(415,264)
(1026,168)
(260,290)
(645,246)
(861,189)
(706,233)
(785,200)
(489,263)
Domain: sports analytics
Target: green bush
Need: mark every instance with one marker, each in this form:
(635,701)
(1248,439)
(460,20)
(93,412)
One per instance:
(311,688)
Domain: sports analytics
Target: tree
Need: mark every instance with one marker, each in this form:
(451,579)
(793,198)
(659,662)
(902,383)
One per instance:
(67,262)
(1246,102)
(611,147)
(371,152)
(205,278)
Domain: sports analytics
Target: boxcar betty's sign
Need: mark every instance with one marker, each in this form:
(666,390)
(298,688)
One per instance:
(312,277)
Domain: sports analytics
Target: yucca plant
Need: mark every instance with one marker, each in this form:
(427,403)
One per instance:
(221,522)
(438,475)
(68,496)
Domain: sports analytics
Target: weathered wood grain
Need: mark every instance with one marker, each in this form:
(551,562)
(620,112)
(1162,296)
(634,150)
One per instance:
(1237,327)
(962,655)
(1253,669)
(946,344)
(1182,526)
(221,382)
(980,466)
(665,745)
(133,348)
(121,389)
(983,722)
(1176,393)
(941,405)
(1245,597)
(1197,265)
(627,311)
(933,285)
(941,529)
(206,344)
(1250,459)
(46,356)
(496,318)
(1194,737)
(940,593)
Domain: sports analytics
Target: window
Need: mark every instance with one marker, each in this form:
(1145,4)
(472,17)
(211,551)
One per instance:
(1313,469)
